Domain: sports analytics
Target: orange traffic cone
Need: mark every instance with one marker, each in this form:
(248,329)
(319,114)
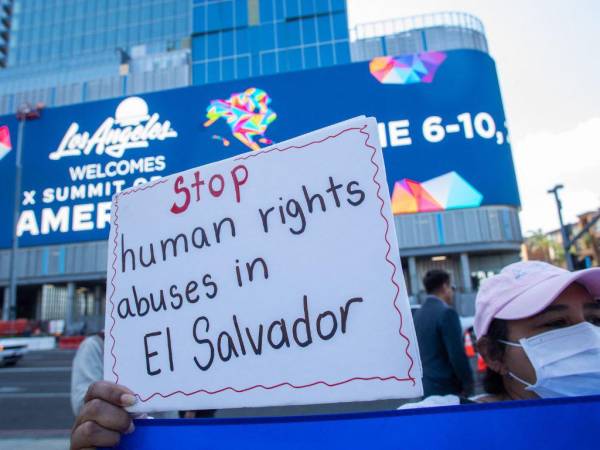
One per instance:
(481,365)
(469,350)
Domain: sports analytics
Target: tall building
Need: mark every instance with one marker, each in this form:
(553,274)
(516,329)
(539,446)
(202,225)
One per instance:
(71,52)
(240,39)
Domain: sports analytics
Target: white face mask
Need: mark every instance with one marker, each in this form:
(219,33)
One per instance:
(566,361)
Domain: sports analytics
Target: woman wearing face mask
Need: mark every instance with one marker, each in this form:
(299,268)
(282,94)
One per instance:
(539,332)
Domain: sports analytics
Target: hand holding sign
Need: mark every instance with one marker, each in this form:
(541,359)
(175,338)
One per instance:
(270,278)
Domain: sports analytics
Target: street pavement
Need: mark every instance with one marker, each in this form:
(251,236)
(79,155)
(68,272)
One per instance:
(35,410)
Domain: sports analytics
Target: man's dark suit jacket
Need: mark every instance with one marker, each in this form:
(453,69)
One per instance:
(446,368)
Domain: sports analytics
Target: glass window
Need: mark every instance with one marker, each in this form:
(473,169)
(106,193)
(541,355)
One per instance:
(199,18)
(243,67)
(340,26)
(294,59)
(342,53)
(198,75)
(324,28)
(278,10)
(291,8)
(241,40)
(198,48)
(310,57)
(308,7)
(268,63)
(309,30)
(227,67)
(326,54)
(226,14)
(266,11)
(293,33)
(241,12)
(227,39)
(214,17)
(214,72)
(214,49)
(267,38)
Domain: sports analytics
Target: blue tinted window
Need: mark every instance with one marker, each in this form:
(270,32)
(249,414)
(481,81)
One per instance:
(214,72)
(241,37)
(268,64)
(340,26)
(342,53)
(213,17)
(337,5)
(309,31)
(291,8)
(198,50)
(226,12)
(288,33)
(294,59)
(266,11)
(227,43)
(214,50)
(326,54)
(279,10)
(243,67)
(267,38)
(241,13)
(307,7)
(227,67)
(256,63)
(198,74)
(310,57)
(324,28)
(198,19)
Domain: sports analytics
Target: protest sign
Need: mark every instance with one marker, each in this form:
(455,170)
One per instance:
(270,278)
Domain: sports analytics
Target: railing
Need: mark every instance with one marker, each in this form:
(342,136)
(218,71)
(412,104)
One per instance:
(403,24)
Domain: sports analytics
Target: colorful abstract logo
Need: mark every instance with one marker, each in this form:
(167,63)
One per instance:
(247,114)
(5,145)
(448,191)
(407,69)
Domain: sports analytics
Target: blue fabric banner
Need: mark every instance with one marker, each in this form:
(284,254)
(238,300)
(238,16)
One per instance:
(541,424)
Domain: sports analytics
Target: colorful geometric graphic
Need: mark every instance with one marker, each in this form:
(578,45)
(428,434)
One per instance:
(247,114)
(407,69)
(5,145)
(448,191)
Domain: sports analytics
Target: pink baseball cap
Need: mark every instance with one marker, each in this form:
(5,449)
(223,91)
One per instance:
(524,289)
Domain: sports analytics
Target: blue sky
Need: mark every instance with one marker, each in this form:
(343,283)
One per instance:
(549,69)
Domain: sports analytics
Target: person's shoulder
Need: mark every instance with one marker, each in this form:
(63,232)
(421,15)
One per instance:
(91,344)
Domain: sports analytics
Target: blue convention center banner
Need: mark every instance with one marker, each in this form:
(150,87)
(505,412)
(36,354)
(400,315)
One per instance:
(441,125)
(555,424)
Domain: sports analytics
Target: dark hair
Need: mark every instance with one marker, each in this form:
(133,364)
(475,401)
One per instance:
(435,279)
(492,381)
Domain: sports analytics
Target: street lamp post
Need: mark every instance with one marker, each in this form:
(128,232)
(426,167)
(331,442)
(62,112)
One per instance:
(26,112)
(563,230)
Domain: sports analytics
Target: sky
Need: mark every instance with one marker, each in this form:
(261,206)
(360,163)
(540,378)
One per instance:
(549,71)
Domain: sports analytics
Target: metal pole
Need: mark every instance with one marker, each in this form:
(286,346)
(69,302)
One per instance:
(563,230)
(11,314)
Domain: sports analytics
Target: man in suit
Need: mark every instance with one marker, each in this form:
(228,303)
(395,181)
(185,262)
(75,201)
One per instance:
(446,368)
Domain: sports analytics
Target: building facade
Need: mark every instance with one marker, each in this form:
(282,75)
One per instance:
(131,47)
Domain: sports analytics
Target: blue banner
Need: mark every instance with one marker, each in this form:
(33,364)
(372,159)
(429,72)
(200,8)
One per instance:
(441,124)
(555,424)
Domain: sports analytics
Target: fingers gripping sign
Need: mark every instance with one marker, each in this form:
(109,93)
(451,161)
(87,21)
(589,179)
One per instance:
(103,417)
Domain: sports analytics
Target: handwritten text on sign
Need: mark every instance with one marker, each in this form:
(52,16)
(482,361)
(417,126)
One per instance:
(270,278)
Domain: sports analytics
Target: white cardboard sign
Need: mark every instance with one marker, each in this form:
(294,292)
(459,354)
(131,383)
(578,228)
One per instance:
(270,278)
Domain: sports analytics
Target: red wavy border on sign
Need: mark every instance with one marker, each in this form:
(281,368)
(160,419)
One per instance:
(409,377)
